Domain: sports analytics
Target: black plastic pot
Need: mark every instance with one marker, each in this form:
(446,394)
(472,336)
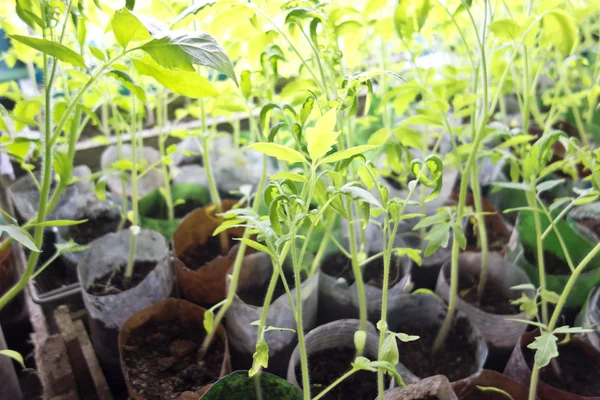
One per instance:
(256,273)
(589,317)
(107,313)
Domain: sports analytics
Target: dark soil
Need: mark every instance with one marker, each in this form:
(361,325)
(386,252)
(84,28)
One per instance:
(592,224)
(339,266)
(497,241)
(197,256)
(552,264)
(429,398)
(95,228)
(455,359)
(116,283)
(160,211)
(579,374)
(326,366)
(255,294)
(162,359)
(493,300)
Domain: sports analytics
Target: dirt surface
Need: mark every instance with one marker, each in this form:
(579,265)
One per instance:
(94,228)
(162,359)
(552,264)
(116,282)
(592,224)
(493,300)
(578,372)
(455,359)
(339,266)
(197,256)
(326,366)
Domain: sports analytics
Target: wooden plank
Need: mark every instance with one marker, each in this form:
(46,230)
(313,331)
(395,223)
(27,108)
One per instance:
(81,372)
(54,369)
(102,389)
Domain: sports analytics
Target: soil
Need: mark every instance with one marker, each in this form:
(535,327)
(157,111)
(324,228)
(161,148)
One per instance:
(497,241)
(579,374)
(197,256)
(326,366)
(255,294)
(455,360)
(339,266)
(94,228)
(592,224)
(162,359)
(159,211)
(115,283)
(552,264)
(493,300)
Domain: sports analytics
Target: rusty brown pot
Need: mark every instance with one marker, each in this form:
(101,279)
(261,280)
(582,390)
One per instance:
(165,310)
(492,379)
(14,311)
(518,369)
(206,285)
(434,386)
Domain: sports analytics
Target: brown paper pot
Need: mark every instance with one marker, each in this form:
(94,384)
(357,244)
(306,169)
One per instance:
(467,389)
(14,311)
(205,285)
(434,387)
(166,310)
(498,333)
(519,370)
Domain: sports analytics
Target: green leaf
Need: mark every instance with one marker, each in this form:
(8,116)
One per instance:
(278,151)
(190,84)
(193,9)
(20,235)
(389,350)
(413,254)
(322,137)
(549,296)
(96,52)
(209,318)
(63,53)
(512,185)
(360,194)
(545,348)
(560,31)
(403,337)
(575,329)
(524,286)
(246,83)
(506,30)
(30,12)
(255,245)
(307,108)
(14,355)
(260,358)
(128,27)
(495,390)
(459,236)
(59,222)
(437,237)
(274,215)
(432,220)
(344,154)
(363,363)
(128,82)
(293,176)
(360,339)
(130,4)
(182,49)
(549,185)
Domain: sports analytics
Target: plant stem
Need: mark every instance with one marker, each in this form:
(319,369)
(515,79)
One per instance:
(161,116)
(357,271)
(532,202)
(134,199)
(334,384)
(324,242)
(482,232)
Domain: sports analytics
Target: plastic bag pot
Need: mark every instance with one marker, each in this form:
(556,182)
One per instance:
(436,386)
(498,333)
(425,275)
(519,370)
(147,183)
(165,311)
(205,285)
(15,309)
(239,386)
(109,312)
(338,335)
(590,318)
(255,277)
(153,207)
(492,379)
(425,311)
(339,300)
(522,242)
(585,220)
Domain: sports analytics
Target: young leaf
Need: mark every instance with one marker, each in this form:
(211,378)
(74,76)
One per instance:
(507,30)
(575,329)
(548,185)
(255,245)
(403,337)
(260,358)
(293,176)
(344,154)
(246,83)
(307,108)
(363,363)
(437,237)
(20,235)
(193,9)
(549,296)
(545,348)
(278,151)
(209,318)
(389,350)
(182,49)
(560,31)
(60,222)
(360,338)
(99,54)
(322,137)
(128,28)
(190,84)
(14,355)
(128,82)
(62,52)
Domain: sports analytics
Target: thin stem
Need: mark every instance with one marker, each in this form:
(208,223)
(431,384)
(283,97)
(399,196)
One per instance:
(134,199)
(357,271)
(532,202)
(482,232)
(324,242)
(334,384)
(161,115)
